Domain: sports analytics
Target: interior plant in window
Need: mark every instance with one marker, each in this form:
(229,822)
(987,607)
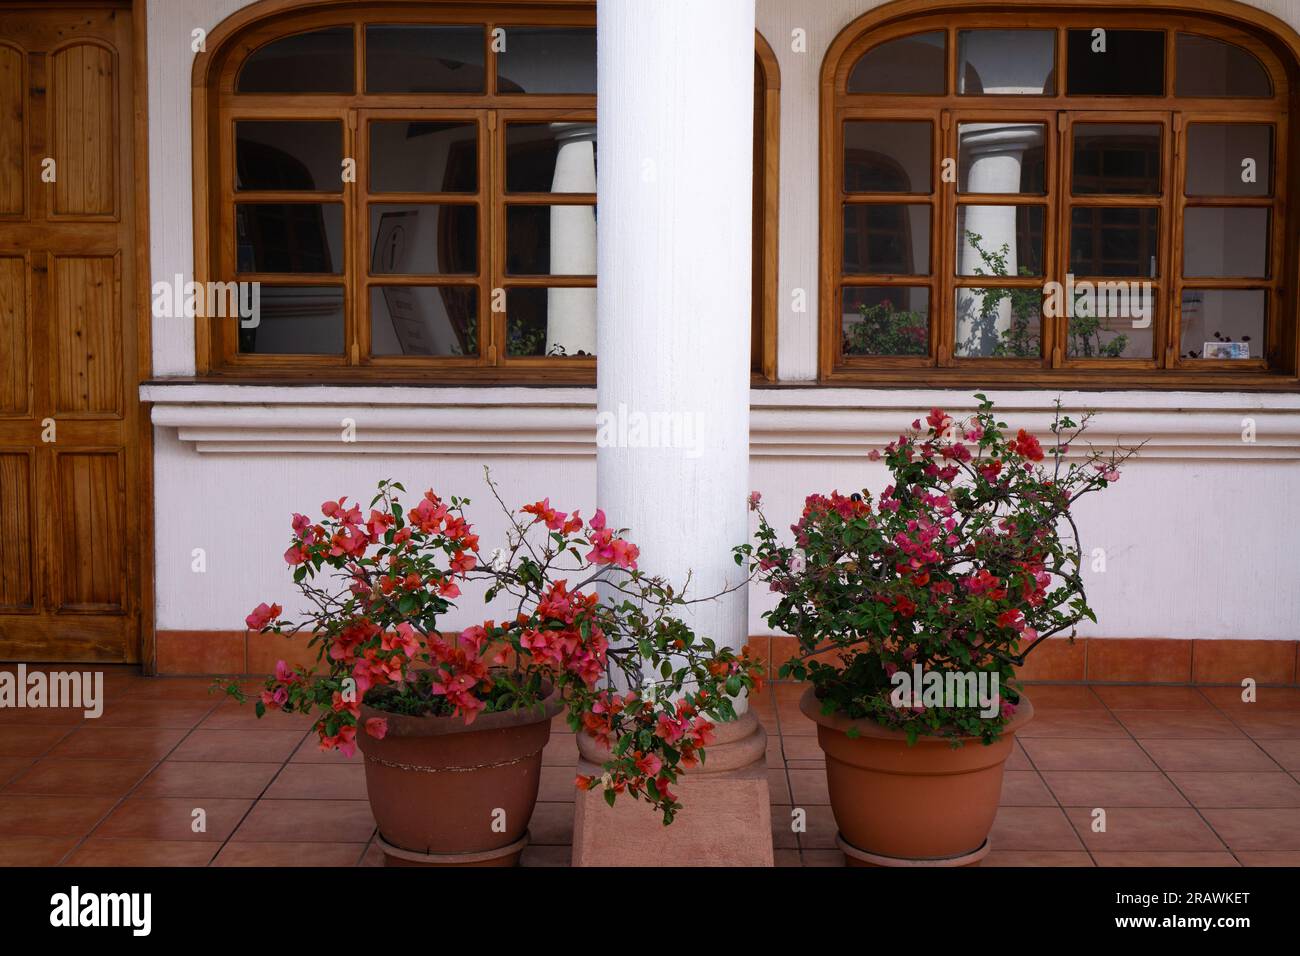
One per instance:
(912,606)
(1019,339)
(452,725)
(883,329)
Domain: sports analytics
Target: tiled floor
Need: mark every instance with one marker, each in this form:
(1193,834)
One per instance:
(1186,776)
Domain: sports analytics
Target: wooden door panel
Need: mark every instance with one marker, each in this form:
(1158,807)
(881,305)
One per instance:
(86,335)
(13,110)
(89,501)
(82,87)
(14,336)
(17,554)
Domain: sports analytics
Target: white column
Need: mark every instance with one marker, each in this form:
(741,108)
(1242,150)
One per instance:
(571,313)
(676,96)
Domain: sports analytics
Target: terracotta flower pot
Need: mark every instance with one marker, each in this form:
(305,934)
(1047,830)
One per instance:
(928,804)
(447,794)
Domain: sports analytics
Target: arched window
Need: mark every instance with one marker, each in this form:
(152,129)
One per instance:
(1091,196)
(413,189)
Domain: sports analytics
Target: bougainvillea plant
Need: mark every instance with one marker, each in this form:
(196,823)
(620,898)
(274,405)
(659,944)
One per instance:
(583,622)
(963,563)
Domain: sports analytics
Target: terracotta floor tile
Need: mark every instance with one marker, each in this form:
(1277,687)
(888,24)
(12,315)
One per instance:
(1166,858)
(1032,828)
(172,819)
(1036,858)
(98,851)
(1287,858)
(802,748)
(34,850)
(774,758)
(44,716)
(1025,788)
(552,824)
(1048,753)
(312,855)
(11,767)
(808,788)
(238,745)
(1073,724)
(1149,697)
(232,715)
(557,785)
(46,816)
(1173,755)
(319,781)
(1227,789)
(1285,752)
(176,778)
(561,751)
(307,821)
(1062,697)
(1017,759)
(101,778)
(795,724)
(1145,829)
(1203,722)
(778,786)
(22,740)
(538,856)
(174,688)
(786,858)
(372,857)
(1113,788)
(1266,698)
(1257,829)
(1268,724)
(820,829)
(135,712)
(118,743)
(309,752)
(822,857)
(783,834)
(806,765)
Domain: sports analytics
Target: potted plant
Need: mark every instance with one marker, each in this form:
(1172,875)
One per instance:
(912,609)
(452,725)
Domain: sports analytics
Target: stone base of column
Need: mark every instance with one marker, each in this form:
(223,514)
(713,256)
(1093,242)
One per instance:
(725,820)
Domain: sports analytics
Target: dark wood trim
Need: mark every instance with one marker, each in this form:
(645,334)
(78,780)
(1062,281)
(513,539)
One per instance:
(767,218)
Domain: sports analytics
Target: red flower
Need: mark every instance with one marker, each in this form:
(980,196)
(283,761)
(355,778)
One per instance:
(263,615)
(1027,446)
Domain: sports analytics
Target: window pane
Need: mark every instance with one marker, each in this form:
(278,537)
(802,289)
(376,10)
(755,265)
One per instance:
(999,323)
(289,237)
(887,240)
(551,240)
(914,64)
(1229,159)
(283,154)
(1000,240)
(550,157)
(1208,67)
(1116,158)
(424,239)
(548,60)
(1113,241)
(1105,319)
(887,157)
(317,62)
(1001,158)
(424,59)
(1223,323)
(296,320)
(424,320)
(1115,62)
(1228,241)
(419,157)
(1006,62)
(885,321)
(552,322)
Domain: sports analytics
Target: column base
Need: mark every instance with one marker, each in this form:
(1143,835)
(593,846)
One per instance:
(725,820)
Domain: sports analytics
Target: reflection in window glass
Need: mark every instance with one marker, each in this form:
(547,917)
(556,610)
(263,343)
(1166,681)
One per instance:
(995,322)
(1000,240)
(424,320)
(289,155)
(423,239)
(1223,324)
(1228,241)
(1108,319)
(551,157)
(1229,159)
(1114,241)
(1106,62)
(1006,62)
(1116,158)
(551,240)
(547,60)
(1209,67)
(289,237)
(558,323)
(296,320)
(316,62)
(424,59)
(887,239)
(887,157)
(1001,158)
(885,321)
(914,64)
(423,157)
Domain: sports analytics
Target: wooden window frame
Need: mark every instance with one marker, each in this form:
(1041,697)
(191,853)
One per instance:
(216,108)
(1276,371)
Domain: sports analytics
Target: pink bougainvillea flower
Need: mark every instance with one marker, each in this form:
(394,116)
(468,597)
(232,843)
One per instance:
(263,615)
(377,727)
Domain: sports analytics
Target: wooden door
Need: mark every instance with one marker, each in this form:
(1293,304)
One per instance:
(70,427)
